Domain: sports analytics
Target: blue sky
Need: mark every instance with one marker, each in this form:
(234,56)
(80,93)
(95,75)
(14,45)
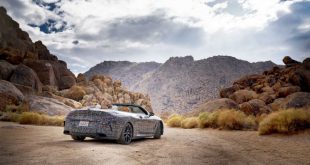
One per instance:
(86,32)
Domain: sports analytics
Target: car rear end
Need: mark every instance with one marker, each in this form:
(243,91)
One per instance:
(91,123)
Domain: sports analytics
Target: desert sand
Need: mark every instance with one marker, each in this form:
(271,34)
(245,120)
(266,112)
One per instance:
(26,144)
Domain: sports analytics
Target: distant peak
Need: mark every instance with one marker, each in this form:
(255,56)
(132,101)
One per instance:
(181,59)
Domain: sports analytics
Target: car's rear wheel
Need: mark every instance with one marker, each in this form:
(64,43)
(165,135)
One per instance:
(126,135)
(157,134)
(78,138)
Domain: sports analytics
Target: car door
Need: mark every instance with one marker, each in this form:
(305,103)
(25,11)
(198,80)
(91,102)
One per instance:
(149,121)
(143,124)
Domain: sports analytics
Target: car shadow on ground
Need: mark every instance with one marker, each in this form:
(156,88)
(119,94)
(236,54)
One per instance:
(96,141)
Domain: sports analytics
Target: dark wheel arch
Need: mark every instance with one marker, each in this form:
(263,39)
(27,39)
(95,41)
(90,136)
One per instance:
(127,134)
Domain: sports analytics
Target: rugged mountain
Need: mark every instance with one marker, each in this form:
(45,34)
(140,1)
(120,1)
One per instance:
(129,72)
(182,83)
(32,76)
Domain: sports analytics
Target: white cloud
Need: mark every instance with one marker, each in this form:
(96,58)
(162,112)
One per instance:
(140,30)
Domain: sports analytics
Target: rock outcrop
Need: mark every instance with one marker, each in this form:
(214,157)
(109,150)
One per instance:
(18,51)
(278,88)
(48,106)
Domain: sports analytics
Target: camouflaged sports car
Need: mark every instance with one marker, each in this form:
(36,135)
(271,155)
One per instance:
(122,122)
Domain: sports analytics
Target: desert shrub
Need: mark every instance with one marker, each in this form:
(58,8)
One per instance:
(23,107)
(40,119)
(227,119)
(235,120)
(212,119)
(9,116)
(75,92)
(191,122)
(203,119)
(285,121)
(175,120)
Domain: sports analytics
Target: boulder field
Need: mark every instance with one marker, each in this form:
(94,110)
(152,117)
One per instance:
(282,87)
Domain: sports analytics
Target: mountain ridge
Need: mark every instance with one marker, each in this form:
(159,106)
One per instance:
(181,83)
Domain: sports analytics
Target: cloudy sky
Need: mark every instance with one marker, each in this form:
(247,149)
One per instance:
(86,32)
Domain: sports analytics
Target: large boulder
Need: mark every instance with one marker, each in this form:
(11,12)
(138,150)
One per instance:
(306,63)
(81,79)
(266,97)
(244,95)
(25,76)
(288,61)
(254,107)
(276,104)
(213,105)
(43,52)
(44,71)
(117,83)
(285,91)
(227,92)
(64,76)
(72,103)
(297,100)
(6,70)
(48,106)
(249,81)
(300,77)
(9,94)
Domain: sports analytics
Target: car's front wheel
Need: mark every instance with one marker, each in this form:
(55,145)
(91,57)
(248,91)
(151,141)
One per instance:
(157,134)
(78,138)
(126,135)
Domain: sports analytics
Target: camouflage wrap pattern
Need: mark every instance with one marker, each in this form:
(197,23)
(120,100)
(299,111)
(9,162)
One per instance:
(108,124)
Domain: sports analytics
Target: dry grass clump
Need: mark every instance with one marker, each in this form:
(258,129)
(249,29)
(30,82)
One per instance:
(9,116)
(23,107)
(40,119)
(226,119)
(203,119)
(191,122)
(175,120)
(285,121)
(76,93)
(235,120)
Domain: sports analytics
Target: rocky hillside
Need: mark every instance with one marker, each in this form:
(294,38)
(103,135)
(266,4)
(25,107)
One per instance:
(275,89)
(129,72)
(32,76)
(180,83)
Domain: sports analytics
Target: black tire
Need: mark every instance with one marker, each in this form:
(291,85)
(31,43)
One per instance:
(157,134)
(126,135)
(78,138)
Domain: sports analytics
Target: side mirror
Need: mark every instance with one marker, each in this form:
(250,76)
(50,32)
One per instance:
(151,114)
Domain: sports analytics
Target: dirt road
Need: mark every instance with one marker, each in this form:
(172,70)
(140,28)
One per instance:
(24,144)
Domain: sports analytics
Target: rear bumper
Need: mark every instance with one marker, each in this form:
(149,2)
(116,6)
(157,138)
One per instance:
(96,135)
(92,135)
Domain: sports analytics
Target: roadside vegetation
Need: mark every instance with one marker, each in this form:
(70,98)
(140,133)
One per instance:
(285,121)
(282,121)
(21,114)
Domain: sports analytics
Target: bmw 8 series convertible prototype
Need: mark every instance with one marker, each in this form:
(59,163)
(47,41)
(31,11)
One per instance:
(122,122)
